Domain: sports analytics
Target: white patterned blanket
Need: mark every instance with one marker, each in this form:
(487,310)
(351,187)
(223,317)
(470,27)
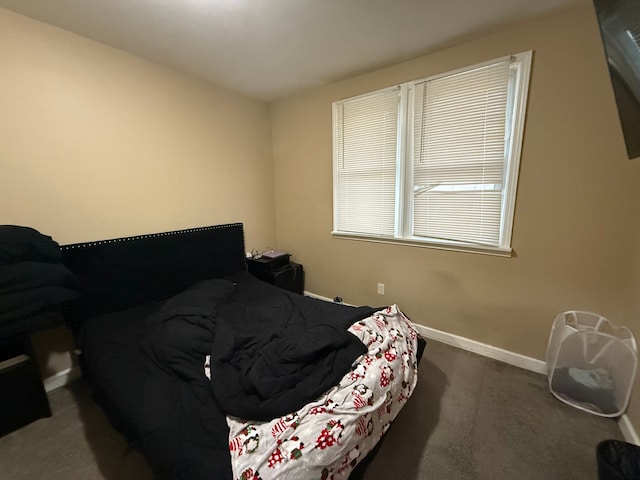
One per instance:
(327,438)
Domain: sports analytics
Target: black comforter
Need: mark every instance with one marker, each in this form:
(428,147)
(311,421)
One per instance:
(271,353)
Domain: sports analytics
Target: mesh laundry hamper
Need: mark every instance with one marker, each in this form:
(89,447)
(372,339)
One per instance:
(591,363)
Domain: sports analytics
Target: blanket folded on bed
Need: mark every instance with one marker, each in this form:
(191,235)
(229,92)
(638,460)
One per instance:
(265,362)
(269,373)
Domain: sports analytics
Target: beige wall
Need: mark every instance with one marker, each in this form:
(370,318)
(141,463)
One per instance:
(575,234)
(96,143)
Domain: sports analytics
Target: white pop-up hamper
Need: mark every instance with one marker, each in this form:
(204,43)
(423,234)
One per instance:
(591,363)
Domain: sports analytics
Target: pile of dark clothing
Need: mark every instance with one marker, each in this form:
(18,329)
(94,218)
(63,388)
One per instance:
(33,281)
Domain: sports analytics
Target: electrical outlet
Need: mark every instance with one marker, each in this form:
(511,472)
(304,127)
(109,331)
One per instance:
(381,289)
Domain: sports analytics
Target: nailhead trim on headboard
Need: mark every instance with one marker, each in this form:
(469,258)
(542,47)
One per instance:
(150,235)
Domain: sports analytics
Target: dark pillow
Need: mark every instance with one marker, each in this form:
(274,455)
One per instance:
(18,244)
(16,277)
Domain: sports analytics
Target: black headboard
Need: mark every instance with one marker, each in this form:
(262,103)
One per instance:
(123,272)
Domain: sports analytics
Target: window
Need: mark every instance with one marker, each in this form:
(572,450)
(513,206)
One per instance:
(434,161)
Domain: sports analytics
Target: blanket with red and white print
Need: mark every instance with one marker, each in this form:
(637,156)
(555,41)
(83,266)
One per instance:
(327,438)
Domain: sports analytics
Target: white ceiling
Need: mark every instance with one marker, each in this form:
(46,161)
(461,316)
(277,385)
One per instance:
(269,49)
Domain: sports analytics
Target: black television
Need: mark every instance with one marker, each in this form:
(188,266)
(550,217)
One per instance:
(619,22)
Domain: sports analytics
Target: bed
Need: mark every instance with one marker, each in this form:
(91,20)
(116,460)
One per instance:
(213,374)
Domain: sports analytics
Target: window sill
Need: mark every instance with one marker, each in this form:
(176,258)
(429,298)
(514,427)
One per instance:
(461,247)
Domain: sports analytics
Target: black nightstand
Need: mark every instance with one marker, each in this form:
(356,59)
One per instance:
(283,274)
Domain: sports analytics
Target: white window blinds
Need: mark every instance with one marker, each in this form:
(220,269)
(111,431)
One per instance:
(365,140)
(434,161)
(459,152)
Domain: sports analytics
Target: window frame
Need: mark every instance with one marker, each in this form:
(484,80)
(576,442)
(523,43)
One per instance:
(520,68)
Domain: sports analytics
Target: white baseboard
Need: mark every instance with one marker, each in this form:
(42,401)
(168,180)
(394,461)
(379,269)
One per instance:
(528,363)
(505,356)
(628,431)
(319,297)
(61,379)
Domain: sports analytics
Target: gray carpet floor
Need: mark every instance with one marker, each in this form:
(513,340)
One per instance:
(470,418)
